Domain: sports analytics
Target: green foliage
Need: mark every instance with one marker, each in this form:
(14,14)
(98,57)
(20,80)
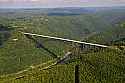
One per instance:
(4,33)
(19,52)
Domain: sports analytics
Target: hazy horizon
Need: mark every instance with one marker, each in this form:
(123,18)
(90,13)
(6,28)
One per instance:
(59,3)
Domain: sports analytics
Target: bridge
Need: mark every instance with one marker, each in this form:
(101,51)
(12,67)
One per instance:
(67,40)
(82,45)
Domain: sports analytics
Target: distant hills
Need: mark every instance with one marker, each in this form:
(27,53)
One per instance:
(62,11)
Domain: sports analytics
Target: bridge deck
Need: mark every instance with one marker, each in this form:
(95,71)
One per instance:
(67,40)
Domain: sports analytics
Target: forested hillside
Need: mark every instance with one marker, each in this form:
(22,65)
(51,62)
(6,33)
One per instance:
(22,61)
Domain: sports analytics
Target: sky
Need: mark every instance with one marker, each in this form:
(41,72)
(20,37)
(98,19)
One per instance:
(58,3)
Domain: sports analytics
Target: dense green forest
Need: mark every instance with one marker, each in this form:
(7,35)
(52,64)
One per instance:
(22,61)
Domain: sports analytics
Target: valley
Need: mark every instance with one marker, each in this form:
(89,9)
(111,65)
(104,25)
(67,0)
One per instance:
(29,59)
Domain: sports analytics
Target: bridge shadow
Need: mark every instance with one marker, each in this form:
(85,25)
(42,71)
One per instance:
(40,45)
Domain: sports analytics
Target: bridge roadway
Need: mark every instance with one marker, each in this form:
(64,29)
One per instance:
(67,40)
